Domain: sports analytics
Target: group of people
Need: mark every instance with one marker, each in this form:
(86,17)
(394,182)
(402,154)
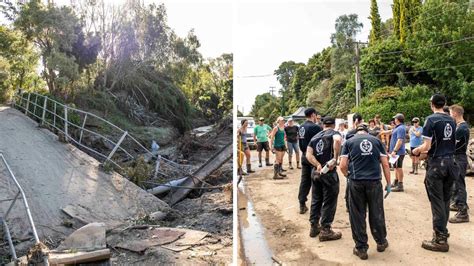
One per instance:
(363,153)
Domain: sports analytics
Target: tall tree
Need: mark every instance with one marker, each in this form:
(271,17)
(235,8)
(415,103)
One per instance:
(376,22)
(396,17)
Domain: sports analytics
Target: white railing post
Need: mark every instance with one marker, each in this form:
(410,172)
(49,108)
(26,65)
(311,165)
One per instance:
(117,146)
(27,104)
(44,109)
(65,124)
(82,128)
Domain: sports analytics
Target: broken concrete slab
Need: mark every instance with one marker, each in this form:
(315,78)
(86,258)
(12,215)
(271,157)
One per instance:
(155,237)
(87,238)
(86,216)
(78,257)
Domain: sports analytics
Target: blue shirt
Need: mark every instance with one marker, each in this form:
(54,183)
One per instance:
(363,152)
(399,132)
(414,140)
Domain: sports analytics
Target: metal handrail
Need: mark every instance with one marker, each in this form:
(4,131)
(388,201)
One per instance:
(25,101)
(28,212)
(61,121)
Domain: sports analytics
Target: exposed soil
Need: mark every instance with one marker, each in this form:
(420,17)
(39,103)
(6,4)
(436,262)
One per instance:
(408,219)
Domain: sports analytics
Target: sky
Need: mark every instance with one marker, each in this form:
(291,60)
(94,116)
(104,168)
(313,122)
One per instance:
(266,33)
(210,19)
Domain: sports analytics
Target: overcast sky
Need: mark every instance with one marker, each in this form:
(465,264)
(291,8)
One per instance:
(267,33)
(211,20)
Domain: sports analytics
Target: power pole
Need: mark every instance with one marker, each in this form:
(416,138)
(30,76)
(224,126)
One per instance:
(272,90)
(357,74)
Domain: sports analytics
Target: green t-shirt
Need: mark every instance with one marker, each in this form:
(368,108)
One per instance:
(261,132)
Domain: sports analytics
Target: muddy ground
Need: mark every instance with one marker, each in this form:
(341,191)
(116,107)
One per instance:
(408,219)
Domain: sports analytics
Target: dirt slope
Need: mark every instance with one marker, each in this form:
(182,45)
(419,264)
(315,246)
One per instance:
(408,218)
(55,175)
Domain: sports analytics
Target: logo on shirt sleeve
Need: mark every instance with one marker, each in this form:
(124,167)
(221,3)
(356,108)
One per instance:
(448,131)
(301,132)
(366,147)
(319,147)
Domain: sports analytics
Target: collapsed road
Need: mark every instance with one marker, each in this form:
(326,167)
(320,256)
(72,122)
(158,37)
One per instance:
(66,190)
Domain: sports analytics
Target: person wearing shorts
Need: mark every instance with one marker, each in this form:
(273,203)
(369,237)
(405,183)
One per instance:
(291,132)
(277,138)
(245,146)
(260,136)
(415,141)
(397,147)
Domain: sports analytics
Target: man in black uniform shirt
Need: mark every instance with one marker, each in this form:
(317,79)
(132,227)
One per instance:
(324,147)
(306,133)
(356,121)
(360,161)
(441,170)
(459,195)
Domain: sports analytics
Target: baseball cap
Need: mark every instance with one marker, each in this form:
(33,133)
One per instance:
(399,116)
(362,127)
(261,119)
(329,120)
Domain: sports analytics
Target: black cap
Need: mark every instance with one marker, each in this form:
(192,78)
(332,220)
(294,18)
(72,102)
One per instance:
(362,127)
(438,100)
(329,121)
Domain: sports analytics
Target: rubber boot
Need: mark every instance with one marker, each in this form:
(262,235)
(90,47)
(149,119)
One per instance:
(439,243)
(395,183)
(327,234)
(461,217)
(249,169)
(281,168)
(276,172)
(291,166)
(241,171)
(398,188)
(315,229)
(416,168)
(260,162)
(267,162)
(413,168)
(280,172)
(298,165)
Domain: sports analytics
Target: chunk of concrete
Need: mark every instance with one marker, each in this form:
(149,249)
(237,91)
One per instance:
(87,238)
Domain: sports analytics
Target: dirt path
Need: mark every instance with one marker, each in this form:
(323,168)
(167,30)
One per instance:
(54,175)
(408,218)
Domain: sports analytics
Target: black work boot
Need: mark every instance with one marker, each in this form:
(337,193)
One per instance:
(361,253)
(398,188)
(303,208)
(439,243)
(461,217)
(267,162)
(453,207)
(315,229)
(291,166)
(281,168)
(249,169)
(327,234)
(276,172)
(382,247)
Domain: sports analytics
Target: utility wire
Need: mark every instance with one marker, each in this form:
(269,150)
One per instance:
(422,47)
(255,76)
(417,71)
